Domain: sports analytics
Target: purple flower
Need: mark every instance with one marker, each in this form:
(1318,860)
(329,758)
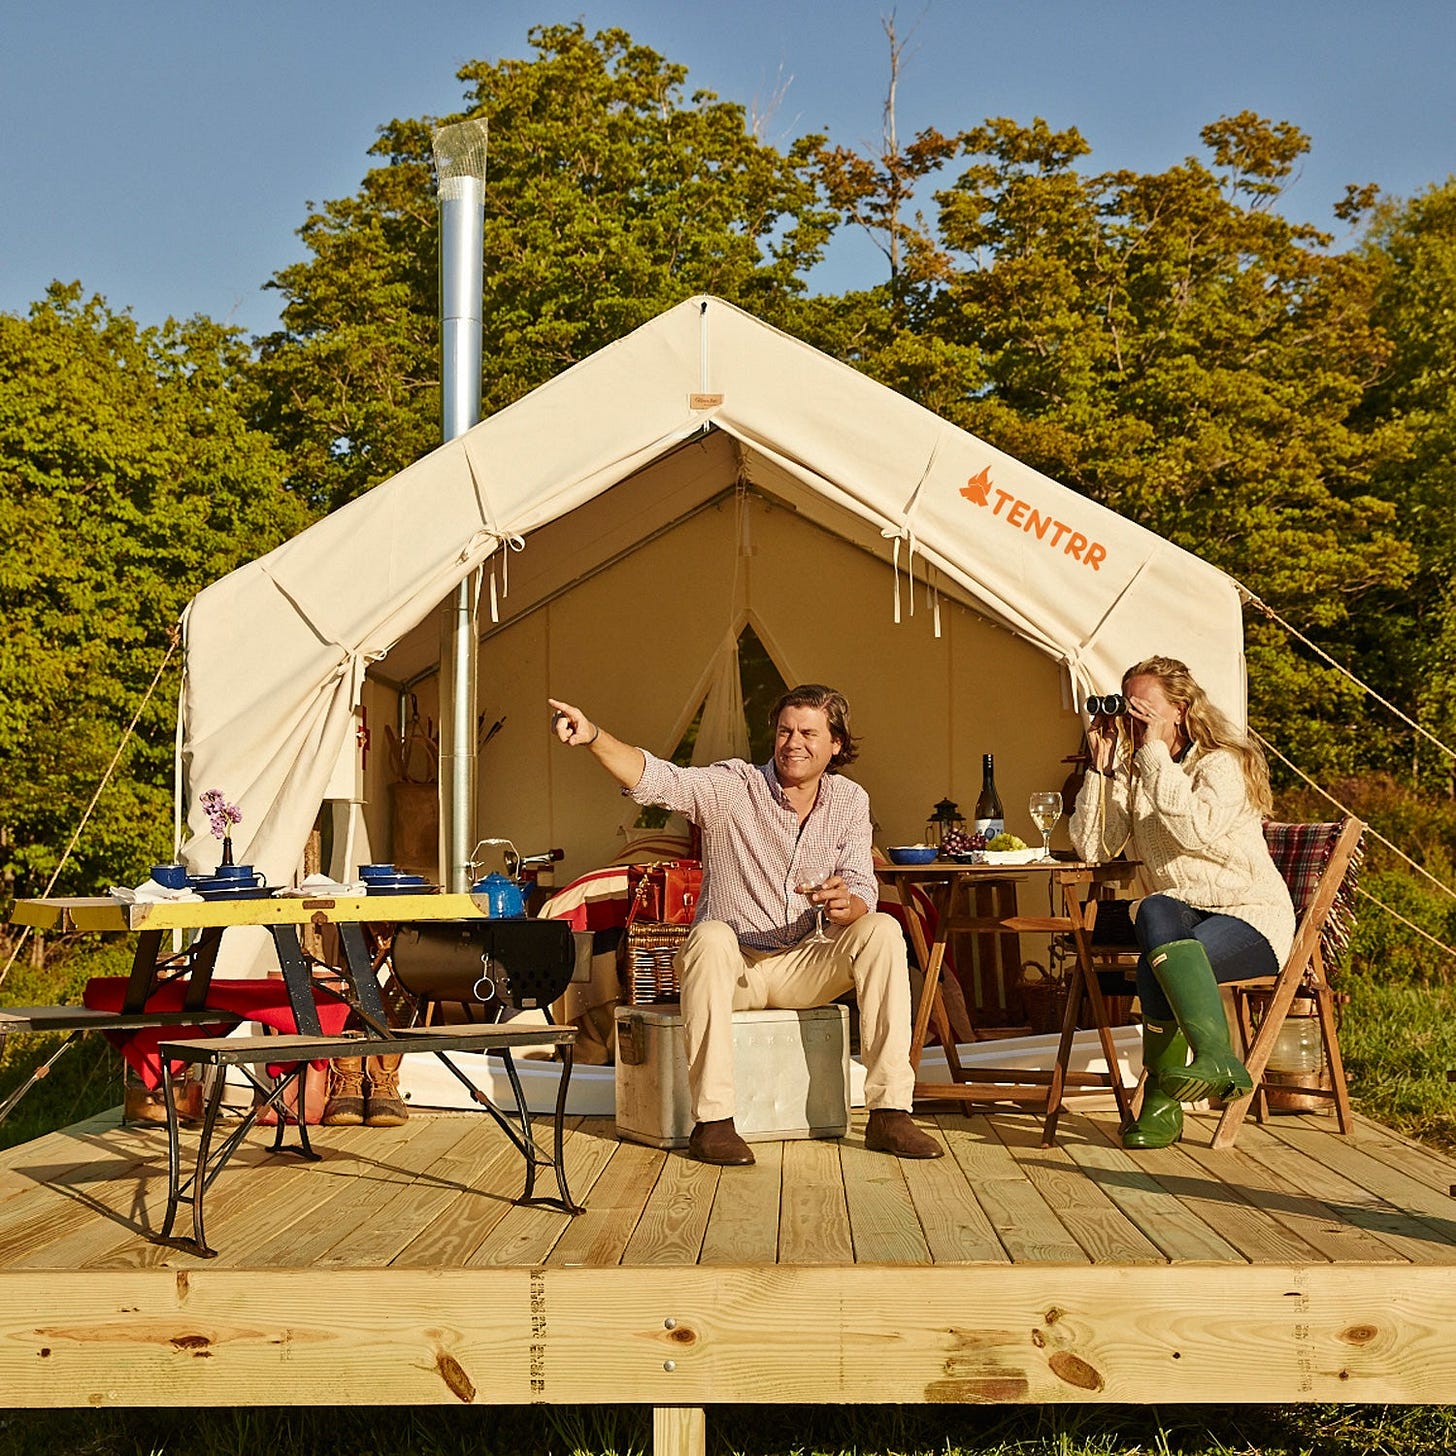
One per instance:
(221,815)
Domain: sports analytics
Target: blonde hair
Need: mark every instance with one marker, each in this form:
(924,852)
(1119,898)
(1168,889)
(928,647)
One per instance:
(1206,726)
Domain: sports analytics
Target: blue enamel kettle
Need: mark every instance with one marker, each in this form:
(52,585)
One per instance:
(502,895)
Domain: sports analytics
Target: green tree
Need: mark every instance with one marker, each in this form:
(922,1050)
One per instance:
(609,197)
(1411,635)
(1173,347)
(129,480)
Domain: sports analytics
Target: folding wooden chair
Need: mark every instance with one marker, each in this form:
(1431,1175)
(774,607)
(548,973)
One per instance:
(1319,863)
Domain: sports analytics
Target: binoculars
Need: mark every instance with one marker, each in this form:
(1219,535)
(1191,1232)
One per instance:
(1108,705)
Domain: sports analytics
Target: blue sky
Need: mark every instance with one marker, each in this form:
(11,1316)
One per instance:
(164,151)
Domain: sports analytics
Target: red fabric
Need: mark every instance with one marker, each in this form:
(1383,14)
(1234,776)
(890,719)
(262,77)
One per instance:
(264,1001)
(596,901)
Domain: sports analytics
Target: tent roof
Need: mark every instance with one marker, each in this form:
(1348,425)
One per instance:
(699,399)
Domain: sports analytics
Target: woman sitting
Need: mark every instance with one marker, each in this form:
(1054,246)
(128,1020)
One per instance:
(1177,783)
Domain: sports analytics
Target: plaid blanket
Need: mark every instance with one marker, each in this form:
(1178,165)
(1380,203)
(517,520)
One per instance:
(1300,853)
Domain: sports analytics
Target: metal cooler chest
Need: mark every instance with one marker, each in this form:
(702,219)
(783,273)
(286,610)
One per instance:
(790,1074)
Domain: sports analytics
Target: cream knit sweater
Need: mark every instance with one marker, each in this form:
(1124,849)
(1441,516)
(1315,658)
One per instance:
(1197,835)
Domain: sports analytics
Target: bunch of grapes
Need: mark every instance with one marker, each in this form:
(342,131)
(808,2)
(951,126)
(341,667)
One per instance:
(960,841)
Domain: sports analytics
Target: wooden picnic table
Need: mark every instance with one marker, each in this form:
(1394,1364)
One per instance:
(282,916)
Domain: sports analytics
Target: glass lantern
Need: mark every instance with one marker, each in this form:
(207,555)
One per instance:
(944,819)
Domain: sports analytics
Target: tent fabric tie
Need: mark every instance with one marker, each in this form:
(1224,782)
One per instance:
(899,534)
(507,542)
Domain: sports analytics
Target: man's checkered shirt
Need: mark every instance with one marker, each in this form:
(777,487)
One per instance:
(755,851)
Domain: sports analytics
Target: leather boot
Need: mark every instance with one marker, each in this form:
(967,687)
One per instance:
(1160,1122)
(1187,980)
(890,1130)
(718,1143)
(383,1106)
(345,1107)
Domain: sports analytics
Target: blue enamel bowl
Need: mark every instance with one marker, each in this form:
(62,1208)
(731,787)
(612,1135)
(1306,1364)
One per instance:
(912,854)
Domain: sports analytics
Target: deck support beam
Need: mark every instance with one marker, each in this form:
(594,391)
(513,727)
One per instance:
(679,1430)
(678,1339)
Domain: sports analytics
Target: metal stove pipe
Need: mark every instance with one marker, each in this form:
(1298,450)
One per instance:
(460,171)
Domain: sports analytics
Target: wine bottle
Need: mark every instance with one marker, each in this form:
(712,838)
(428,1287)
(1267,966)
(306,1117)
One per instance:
(990,816)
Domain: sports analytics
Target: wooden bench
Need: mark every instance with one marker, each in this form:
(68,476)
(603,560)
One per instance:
(292,1054)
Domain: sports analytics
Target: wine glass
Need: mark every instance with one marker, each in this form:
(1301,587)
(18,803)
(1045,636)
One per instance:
(1046,809)
(817,935)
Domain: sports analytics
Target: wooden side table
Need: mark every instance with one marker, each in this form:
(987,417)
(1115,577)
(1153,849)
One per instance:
(952,890)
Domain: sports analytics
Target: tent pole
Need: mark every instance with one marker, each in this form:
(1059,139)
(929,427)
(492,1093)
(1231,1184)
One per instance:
(460,169)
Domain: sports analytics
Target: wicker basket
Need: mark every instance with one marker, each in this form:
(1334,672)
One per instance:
(649,955)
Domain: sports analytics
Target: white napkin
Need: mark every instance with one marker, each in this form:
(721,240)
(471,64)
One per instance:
(149,892)
(317,885)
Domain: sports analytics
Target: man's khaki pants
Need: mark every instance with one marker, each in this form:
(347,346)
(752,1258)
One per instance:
(719,977)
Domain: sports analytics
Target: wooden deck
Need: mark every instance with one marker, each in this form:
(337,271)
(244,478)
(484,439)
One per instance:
(1300,1266)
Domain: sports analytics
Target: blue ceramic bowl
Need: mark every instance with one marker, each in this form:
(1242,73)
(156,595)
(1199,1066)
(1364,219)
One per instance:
(912,854)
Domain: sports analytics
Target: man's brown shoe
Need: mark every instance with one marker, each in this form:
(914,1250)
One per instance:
(892,1131)
(718,1142)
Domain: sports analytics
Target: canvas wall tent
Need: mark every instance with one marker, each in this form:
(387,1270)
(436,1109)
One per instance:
(702,472)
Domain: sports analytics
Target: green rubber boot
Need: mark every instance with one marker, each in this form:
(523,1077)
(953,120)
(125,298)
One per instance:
(1160,1122)
(1186,977)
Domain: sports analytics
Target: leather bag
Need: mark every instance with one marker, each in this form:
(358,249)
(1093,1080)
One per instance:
(665,892)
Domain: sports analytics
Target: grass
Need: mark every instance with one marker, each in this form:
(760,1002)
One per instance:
(1398,1040)
(744,1431)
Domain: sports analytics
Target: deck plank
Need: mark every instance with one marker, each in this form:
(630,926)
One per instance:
(599,1236)
(1025,1225)
(526,1234)
(379,1167)
(956,1228)
(459,1228)
(291,1189)
(814,1216)
(1435,1208)
(675,1218)
(461,1150)
(60,1145)
(119,1239)
(284,1184)
(1428,1164)
(1132,1182)
(1352,1204)
(1207,1184)
(883,1225)
(1290,1206)
(1103,1230)
(73,1184)
(743,1227)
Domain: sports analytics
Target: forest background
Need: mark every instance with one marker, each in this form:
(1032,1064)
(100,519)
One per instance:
(1169,344)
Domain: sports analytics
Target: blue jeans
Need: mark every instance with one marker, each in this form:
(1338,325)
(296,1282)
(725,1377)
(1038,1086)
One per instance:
(1235,949)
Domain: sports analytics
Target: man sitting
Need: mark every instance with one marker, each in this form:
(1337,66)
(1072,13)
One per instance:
(778,839)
